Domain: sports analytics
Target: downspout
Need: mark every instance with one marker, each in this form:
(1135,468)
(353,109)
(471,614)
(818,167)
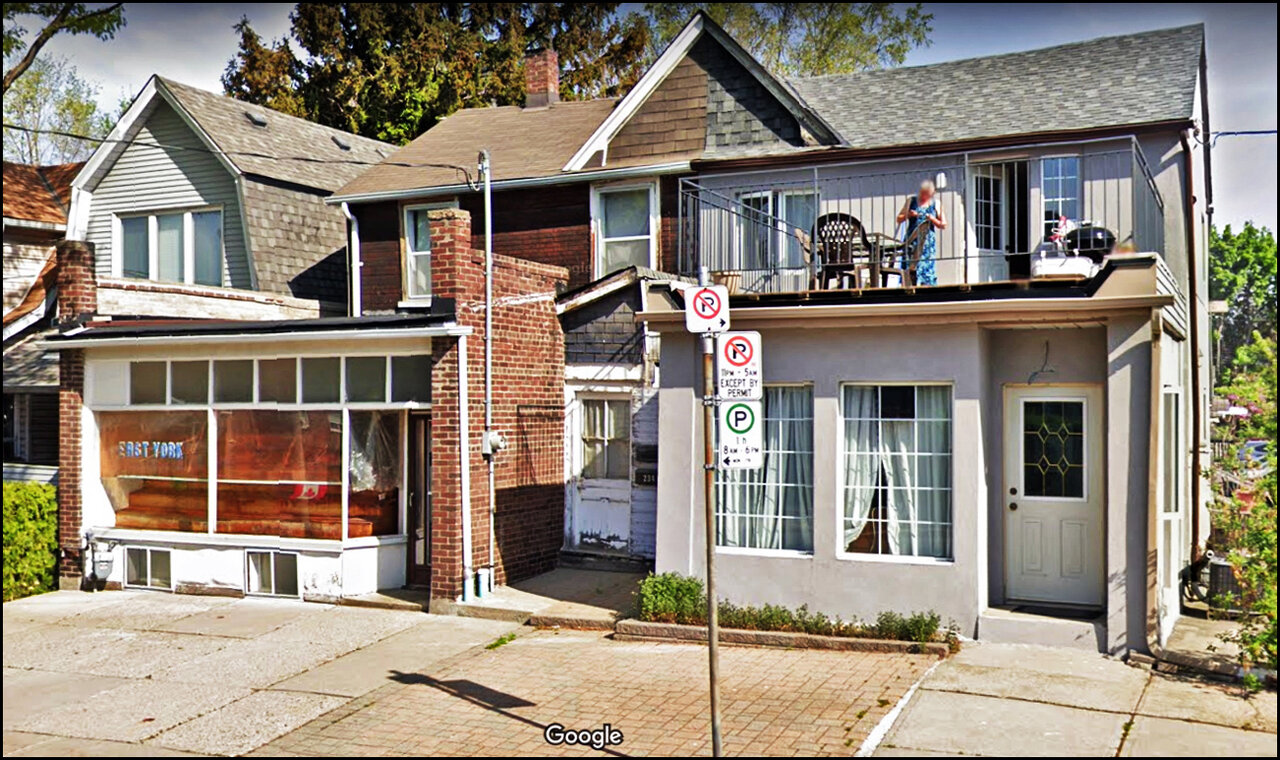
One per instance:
(464,472)
(353,256)
(1193,303)
(1153,491)
(491,444)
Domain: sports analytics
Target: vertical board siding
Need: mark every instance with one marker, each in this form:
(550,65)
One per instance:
(179,176)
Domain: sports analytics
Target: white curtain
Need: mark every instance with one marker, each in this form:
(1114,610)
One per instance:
(933,412)
(861,463)
(906,462)
(772,507)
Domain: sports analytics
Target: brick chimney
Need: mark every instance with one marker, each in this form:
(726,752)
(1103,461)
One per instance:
(541,79)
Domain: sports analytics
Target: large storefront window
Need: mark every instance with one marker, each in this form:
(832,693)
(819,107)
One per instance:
(280,473)
(278,454)
(373,506)
(155,469)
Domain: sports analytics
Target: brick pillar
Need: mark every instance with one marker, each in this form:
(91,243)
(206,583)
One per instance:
(455,275)
(541,79)
(77,300)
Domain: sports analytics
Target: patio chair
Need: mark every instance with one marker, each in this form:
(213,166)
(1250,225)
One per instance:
(844,250)
(903,258)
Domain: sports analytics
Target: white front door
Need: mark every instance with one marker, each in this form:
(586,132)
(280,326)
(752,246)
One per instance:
(599,518)
(1053,497)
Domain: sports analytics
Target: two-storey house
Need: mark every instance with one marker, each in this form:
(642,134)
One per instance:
(981,291)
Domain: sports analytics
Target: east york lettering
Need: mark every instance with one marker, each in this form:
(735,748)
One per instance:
(149,449)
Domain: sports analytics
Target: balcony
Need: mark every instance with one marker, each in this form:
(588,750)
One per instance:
(1039,215)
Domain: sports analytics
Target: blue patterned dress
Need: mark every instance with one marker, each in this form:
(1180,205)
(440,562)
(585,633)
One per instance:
(925,274)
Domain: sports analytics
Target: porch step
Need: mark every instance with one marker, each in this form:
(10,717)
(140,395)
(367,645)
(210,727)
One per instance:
(1006,626)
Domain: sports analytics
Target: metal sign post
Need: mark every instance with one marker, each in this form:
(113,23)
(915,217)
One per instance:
(707,313)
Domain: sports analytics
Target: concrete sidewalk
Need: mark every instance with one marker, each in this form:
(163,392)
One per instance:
(1022,700)
(144,673)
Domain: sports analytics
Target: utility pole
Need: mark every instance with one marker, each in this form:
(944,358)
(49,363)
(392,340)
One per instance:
(709,499)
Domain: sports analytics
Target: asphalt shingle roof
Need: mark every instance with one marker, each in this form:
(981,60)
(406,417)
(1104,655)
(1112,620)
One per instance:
(224,119)
(27,365)
(1131,79)
(38,193)
(522,142)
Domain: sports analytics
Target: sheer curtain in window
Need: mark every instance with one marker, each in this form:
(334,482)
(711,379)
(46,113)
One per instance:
(772,507)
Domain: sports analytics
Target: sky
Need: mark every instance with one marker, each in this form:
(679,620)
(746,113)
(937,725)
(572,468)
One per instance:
(192,43)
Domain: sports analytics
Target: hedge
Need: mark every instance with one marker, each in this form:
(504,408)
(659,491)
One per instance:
(30,539)
(674,598)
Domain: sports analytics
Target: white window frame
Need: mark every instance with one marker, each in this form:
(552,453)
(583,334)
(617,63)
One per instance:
(813,493)
(272,593)
(580,439)
(1079,187)
(21,425)
(149,550)
(153,250)
(408,257)
(597,222)
(904,559)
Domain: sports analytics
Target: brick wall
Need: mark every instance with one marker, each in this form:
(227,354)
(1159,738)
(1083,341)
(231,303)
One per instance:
(528,366)
(548,225)
(77,298)
(381,286)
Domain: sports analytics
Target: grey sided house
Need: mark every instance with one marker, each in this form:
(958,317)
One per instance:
(983,315)
(197,222)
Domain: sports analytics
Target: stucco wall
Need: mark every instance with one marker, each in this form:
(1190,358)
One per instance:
(826,358)
(1074,355)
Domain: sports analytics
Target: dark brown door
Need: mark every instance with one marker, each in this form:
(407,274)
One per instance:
(419,500)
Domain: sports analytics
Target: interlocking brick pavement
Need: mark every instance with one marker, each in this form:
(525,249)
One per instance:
(498,702)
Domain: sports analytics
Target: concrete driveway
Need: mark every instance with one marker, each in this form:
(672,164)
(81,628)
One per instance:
(1019,700)
(138,673)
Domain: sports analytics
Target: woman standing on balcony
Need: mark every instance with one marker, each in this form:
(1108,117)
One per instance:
(923,208)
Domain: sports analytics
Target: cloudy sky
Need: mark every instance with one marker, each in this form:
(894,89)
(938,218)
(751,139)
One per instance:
(192,42)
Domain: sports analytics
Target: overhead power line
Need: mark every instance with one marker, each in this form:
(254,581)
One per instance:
(1213,136)
(464,171)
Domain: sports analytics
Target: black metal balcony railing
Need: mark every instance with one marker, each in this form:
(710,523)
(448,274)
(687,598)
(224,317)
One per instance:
(830,227)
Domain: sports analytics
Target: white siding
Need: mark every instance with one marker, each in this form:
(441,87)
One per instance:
(180,176)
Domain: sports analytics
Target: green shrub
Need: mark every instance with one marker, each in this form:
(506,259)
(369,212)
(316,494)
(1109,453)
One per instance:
(30,539)
(672,598)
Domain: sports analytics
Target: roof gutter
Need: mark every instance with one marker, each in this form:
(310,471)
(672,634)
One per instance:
(839,154)
(649,170)
(31,224)
(58,343)
(996,308)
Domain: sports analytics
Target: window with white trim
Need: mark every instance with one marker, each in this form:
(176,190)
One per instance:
(270,573)
(417,252)
(145,567)
(626,227)
(180,246)
(896,470)
(606,439)
(772,507)
(1060,190)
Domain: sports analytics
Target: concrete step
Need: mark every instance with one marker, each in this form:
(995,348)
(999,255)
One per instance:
(1006,626)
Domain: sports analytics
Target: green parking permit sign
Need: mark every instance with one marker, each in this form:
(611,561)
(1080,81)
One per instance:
(741,436)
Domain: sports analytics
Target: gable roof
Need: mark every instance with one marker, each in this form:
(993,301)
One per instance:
(38,193)
(675,52)
(315,158)
(1132,79)
(522,143)
(284,148)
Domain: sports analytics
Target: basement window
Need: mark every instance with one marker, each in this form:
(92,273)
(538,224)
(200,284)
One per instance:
(270,573)
(148,568)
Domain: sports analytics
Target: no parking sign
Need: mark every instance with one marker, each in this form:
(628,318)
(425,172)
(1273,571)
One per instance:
(738,372)
(706,309)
